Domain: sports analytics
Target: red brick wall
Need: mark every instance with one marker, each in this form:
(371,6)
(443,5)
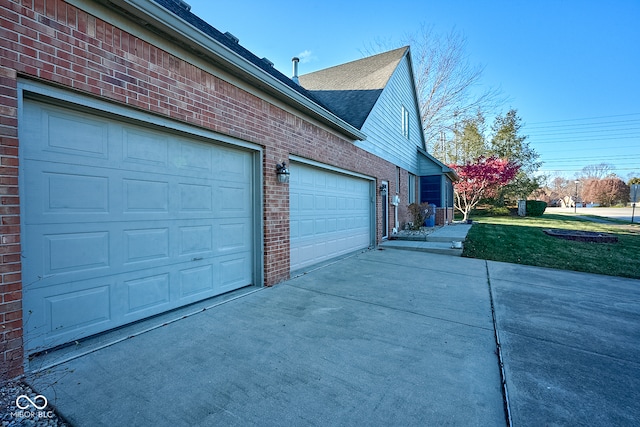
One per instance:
(53,42)
(10,267)
(440,216)
(403,212)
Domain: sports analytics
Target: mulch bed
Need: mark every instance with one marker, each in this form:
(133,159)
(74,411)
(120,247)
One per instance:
(581,236)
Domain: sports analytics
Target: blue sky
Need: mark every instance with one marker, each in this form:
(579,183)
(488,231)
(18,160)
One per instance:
(570,67)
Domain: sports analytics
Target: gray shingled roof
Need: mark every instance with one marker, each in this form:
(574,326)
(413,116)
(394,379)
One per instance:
(351,90)
(181,10)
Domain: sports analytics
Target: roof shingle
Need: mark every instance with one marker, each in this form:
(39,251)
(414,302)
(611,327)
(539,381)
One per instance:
(351,90)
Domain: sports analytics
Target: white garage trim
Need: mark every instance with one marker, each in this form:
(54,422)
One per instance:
(332,212)
(122,220)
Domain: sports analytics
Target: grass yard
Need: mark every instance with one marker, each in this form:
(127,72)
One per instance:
(522,241)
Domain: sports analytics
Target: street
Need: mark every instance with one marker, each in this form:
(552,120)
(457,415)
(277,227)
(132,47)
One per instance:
(624,214)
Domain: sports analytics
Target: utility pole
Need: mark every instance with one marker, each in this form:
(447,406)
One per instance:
(634,199)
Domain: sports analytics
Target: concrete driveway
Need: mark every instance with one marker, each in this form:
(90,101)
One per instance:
(571,345)
(382,338)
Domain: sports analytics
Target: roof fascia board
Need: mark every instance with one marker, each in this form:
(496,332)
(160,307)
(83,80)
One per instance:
(156,15)
(415,96)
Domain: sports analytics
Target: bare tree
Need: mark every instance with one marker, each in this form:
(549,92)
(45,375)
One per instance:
(599,171)
(448,85)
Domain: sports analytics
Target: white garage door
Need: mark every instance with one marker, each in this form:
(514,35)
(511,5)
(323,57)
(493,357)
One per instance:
(330,214)
(121,222)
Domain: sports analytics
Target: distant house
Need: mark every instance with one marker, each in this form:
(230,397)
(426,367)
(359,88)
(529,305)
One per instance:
(142,154)
(377,95)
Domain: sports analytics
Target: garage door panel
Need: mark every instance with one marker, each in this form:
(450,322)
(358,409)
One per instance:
(330,215)
(144,195)
(145,244)
(74,134)
(84,248)
(147,292)
(76,251)
(145,148)
(229,166)
(135,223)
(194,157)
(196,280)
(63,312)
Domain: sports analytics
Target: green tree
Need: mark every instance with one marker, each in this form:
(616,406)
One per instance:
(468,142)
(508,143)
(634,180)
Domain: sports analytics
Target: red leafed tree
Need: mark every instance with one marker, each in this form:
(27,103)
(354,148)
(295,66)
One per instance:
(480,179)
(607,191)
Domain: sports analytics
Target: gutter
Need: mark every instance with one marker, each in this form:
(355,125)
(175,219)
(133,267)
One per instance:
(151,14)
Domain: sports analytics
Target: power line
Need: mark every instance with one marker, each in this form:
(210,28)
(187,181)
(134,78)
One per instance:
(612,157)
(560,139)
(586,118)
(580,169)
(574,132)
(536,128)
(551,153)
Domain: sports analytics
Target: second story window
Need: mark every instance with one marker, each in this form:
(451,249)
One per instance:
(405,122)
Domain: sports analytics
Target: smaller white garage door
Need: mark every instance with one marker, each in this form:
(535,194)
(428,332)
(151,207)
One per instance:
(330,213)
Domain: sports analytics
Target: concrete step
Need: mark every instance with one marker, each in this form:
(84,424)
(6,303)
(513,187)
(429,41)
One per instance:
(447,239)
(443,248)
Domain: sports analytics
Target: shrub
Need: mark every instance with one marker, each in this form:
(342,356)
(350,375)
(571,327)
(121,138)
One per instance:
(499,211)
(536,207)
(419,213)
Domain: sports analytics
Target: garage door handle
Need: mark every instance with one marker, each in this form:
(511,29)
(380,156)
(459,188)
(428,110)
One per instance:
(197,259)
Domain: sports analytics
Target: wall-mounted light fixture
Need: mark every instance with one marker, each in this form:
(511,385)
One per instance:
(282,172)
(383,190)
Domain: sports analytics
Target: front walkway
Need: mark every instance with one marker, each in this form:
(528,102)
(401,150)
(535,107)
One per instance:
(441,241)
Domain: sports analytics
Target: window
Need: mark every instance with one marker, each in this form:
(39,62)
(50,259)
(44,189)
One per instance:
(397,180)
(405,122)
(412,189)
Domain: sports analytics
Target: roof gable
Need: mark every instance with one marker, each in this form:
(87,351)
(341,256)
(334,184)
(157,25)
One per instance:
(351,90)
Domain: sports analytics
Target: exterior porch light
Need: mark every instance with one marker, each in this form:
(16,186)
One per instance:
(383,190)
(282,172)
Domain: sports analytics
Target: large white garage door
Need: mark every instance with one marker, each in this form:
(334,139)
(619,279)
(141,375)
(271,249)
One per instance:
(330,214)
(121,222)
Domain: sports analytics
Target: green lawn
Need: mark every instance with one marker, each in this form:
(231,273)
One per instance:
(521,241)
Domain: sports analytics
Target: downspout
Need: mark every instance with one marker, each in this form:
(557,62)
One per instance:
(395,203)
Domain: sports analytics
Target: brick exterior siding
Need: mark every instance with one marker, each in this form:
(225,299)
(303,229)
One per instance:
(440,216)
(53,42)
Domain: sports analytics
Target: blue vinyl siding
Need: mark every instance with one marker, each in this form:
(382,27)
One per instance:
(384,126)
